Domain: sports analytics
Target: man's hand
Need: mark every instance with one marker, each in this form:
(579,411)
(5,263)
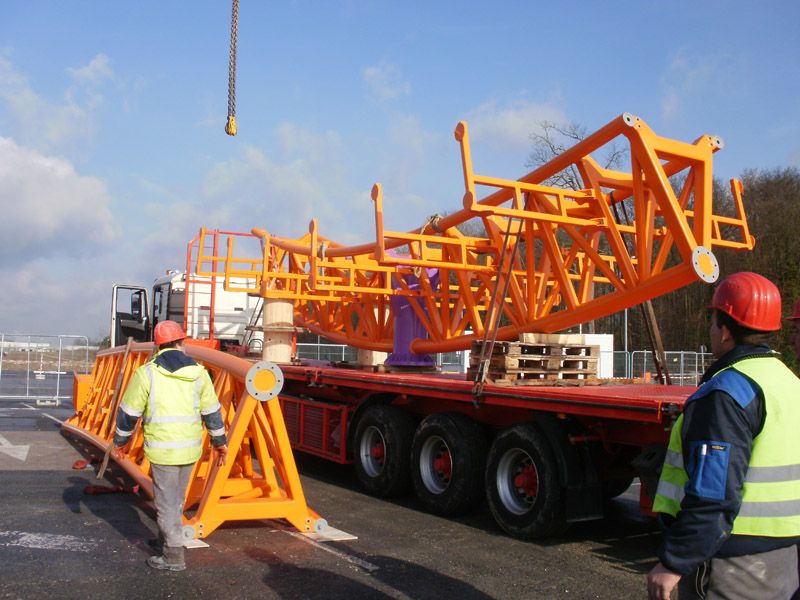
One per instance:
(222,454)
(660,582)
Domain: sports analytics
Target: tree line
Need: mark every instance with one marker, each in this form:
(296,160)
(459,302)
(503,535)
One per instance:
(772,206)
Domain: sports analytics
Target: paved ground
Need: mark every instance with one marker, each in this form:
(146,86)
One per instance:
(57,542)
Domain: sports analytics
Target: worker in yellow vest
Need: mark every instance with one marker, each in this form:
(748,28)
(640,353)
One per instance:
(729,493)
(174,397)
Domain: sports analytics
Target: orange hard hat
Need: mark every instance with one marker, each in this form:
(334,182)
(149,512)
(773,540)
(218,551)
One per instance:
(750,299)
(795,316)
(167,331)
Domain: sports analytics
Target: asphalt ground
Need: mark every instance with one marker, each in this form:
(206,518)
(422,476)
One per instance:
(57,542)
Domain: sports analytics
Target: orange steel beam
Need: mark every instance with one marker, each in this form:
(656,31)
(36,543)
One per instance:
(243,489)
(626,237)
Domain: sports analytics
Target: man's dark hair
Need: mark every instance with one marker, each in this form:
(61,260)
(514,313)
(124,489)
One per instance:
(740,333)
(172,344)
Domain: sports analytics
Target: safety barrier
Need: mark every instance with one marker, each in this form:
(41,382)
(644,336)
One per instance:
(258,481)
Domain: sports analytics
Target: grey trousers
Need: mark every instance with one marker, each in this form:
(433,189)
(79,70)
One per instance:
(767,576)
(169,491)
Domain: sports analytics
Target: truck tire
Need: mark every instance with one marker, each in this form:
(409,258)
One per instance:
(448,458)
(383,450)
(522,484)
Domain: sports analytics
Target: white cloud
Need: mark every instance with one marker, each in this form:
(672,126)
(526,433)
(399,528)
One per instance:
(281,193)
(53,126)
(58,297)
(688,78)
(98,69)
(385,81)
(303,142)
(48,208)
(508,126)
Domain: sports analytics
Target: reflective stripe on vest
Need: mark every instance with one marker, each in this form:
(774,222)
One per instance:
(771,492)
(177,444)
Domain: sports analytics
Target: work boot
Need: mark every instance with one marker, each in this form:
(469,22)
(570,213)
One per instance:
(171,560)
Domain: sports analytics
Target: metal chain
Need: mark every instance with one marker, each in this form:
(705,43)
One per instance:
(230,128)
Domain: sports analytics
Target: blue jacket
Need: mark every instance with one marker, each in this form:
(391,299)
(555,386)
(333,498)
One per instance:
(702,528)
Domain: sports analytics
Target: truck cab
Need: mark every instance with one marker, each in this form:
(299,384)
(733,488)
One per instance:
(207,311)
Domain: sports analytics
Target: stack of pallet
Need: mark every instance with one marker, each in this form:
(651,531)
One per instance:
(539,359)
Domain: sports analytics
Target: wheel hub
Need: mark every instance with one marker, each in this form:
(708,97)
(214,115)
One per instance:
(378,451)
(517,481)
(443,465)
(526,482)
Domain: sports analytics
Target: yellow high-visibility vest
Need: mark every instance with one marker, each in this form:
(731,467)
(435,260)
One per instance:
(171,405)
(771,494)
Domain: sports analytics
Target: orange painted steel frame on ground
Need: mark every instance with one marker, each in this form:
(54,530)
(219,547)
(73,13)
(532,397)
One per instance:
(243,489)
(626,237)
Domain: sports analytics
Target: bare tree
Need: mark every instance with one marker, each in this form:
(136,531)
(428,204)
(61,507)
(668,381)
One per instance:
(554,139)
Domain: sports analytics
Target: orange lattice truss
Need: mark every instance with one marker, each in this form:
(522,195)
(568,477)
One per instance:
(626,237)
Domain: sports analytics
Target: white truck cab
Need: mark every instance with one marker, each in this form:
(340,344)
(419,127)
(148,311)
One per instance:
(207,311)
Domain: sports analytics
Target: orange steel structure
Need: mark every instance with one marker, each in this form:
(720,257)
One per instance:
(259,479)
(625,237)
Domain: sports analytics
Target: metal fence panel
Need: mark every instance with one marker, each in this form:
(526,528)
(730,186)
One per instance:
(41,367)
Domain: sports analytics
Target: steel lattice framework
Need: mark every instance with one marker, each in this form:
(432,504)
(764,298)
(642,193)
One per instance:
(569,256)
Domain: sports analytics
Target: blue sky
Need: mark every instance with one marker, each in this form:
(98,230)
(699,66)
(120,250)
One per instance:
(112,150)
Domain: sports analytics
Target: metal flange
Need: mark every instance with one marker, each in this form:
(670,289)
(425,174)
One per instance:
(705,264)
(264,381)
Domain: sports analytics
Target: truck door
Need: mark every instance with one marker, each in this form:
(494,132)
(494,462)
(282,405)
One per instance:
(129,315)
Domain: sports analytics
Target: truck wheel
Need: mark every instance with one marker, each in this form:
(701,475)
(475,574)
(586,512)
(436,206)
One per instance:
(448,458)
(383,450)
(522,486)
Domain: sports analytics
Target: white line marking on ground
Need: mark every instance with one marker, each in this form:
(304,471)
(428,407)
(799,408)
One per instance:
(44,414)
(18,452)
(46,541)
(368,566)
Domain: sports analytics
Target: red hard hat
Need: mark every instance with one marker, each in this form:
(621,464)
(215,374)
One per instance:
(795,316)
(167,331)
(749,299)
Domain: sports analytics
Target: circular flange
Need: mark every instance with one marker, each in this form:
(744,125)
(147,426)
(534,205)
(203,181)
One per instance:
(264,381)
(705,264)
(188,532)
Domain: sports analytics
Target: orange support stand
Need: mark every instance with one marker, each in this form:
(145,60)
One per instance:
(259,479)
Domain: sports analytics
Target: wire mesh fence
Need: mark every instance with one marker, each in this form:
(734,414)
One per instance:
(40,367)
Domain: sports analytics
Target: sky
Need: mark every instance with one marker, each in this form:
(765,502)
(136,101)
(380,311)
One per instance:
(113,152)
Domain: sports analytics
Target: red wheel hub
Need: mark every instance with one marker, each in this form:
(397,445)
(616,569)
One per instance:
(378,451)
(443,465)
(527,481)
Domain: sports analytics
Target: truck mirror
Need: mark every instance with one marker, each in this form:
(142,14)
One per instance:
(136,306)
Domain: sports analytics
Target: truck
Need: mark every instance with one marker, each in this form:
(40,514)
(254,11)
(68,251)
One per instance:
(542,445)
(226,320)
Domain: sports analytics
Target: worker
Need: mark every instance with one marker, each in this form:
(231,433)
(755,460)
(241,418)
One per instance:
(172,394)
(729,493)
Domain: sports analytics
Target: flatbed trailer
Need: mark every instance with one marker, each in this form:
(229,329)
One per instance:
(542,456)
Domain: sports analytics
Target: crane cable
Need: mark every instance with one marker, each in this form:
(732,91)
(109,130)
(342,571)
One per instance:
(230,126)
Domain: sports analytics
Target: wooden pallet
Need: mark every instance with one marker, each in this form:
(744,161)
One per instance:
(538,363)
(529,362)
(537,349)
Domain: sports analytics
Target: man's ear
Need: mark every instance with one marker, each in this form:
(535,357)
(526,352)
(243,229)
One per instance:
(725,334)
